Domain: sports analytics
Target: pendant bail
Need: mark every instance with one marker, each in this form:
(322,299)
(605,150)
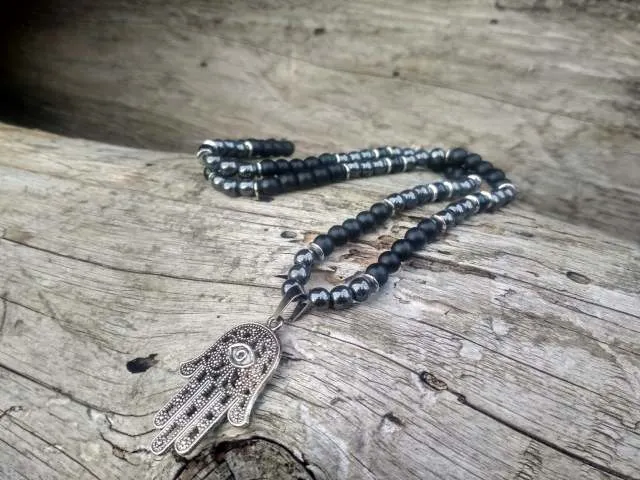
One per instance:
(293,305)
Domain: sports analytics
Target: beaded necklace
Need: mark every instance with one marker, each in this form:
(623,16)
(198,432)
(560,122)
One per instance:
(228,377)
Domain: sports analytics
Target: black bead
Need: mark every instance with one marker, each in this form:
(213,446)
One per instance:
(379,272)
(471,161)
(206,172)
(300,273)
(322,175)
(456,156)
(402,248)
(443,192)
(436,160)
(381,211)
(296,165)
(448,218)
(429,227)
(247,170)
(416,237)
(366,169)
(305,179)
(303,257)
(352,226)
(390,260)
(268,168)
(379,166)
(338,234)
(289,181)
(245,188)
(483,168)
(325,243)
(283,166)
(337,172)
(367,221)
(218,182)
(397,165)
(354,170)
(311,162)
(269,186)
(423,194)
(320,298)
(494,176)
(230,188)
(360,289)
(410,199)
(288,148)
(341,297)
(228,168)
(397,201)
(327,159)
(288,284)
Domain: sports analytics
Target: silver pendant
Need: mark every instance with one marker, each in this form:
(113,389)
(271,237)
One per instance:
(225,379)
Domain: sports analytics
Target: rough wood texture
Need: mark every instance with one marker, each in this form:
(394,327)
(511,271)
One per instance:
(548,89)
(509,350)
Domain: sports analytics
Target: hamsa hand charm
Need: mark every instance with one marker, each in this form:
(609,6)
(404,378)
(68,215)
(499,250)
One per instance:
(225,379)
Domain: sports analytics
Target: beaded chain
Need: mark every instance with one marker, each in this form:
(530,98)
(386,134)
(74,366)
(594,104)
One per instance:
(228,172)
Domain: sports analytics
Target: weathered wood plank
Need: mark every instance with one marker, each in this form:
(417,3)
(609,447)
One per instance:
(546,90)
(111,254)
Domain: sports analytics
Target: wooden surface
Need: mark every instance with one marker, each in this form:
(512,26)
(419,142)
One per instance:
(509,350)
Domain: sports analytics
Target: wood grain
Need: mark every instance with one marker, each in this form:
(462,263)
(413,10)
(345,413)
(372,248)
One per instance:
(548,89)
(509,350)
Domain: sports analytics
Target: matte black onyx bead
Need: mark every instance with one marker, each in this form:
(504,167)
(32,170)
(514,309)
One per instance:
(269,186)
(494,176)
(311,162)
(381,211)
(319,298)
(325,243)
(322,175)
(341,297)
(268,168)
(289,181)
(456,156)
(288,284)
(303,257)
(379,272)
(367,221)
(436,160)
(288,148)
(360,289)
(402,248)
(283,166)
(300,273)
(337,172)
(471,161)
(429,227)
(416,237)
(483,168)
(228,168)
(305,179)
(296,165)
(390,260)
(410,199)
(352,226)
(327,159)
(338,234)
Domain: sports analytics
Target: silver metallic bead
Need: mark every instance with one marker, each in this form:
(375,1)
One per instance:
(317,251)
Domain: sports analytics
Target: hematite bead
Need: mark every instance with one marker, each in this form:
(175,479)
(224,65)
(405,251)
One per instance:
(354,170)
(397,201)
(325,243)
(367,221)
(247,170)
(494,176)
(390,260)
(360,289)
(287,285)
(410,199)
(379,272)
(483,168)
(303,257)
(217,182)
(381,211)
(206,172)
(354,156)
(366,169)
(300,273)
(341,297)
(436,160)
(319,298)
(471,161)
(429,227)
(338,234)
(230,188)
(379,166)
(245,187)
(352,226)
(456,156)
(402,248)
(228,168)
(443,192)
(416,237)
(423,194)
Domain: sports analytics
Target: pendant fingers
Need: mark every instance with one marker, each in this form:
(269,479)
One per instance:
(182,398)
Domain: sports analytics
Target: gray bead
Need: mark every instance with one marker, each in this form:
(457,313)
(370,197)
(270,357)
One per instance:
(360,289)
(366,169)
(228,168)
(247,170)
(300,273)
(245,187)
(304,257)
(230,188)
(354,169)
(286,286)
(217,182)
(341,297)
(320,298)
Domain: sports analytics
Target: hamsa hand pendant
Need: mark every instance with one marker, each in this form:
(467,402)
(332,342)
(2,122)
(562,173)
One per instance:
(225,379)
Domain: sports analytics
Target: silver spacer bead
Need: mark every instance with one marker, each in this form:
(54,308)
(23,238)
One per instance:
(438,218)
(372,280)
(434,191)
(508,185)
(475,178)
(404,163)
(210,176)
(202,152)
(247,144)
(376,153)
(449,188)
(211,143)
(390,150)
(488,195)
(259,167)
(390,203)
(387,160)
(475,201)
(347,170)
(317,251)
(338,159)
(446,155)
(255,189)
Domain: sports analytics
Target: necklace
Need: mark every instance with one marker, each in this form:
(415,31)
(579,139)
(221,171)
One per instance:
(228,377)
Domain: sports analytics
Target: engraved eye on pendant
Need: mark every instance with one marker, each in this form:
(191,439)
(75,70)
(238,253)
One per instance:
(241,355)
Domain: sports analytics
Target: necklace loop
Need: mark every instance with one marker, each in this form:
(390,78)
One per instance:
(293,305)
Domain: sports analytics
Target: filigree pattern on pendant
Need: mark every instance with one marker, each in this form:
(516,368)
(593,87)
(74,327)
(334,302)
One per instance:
(226,378)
